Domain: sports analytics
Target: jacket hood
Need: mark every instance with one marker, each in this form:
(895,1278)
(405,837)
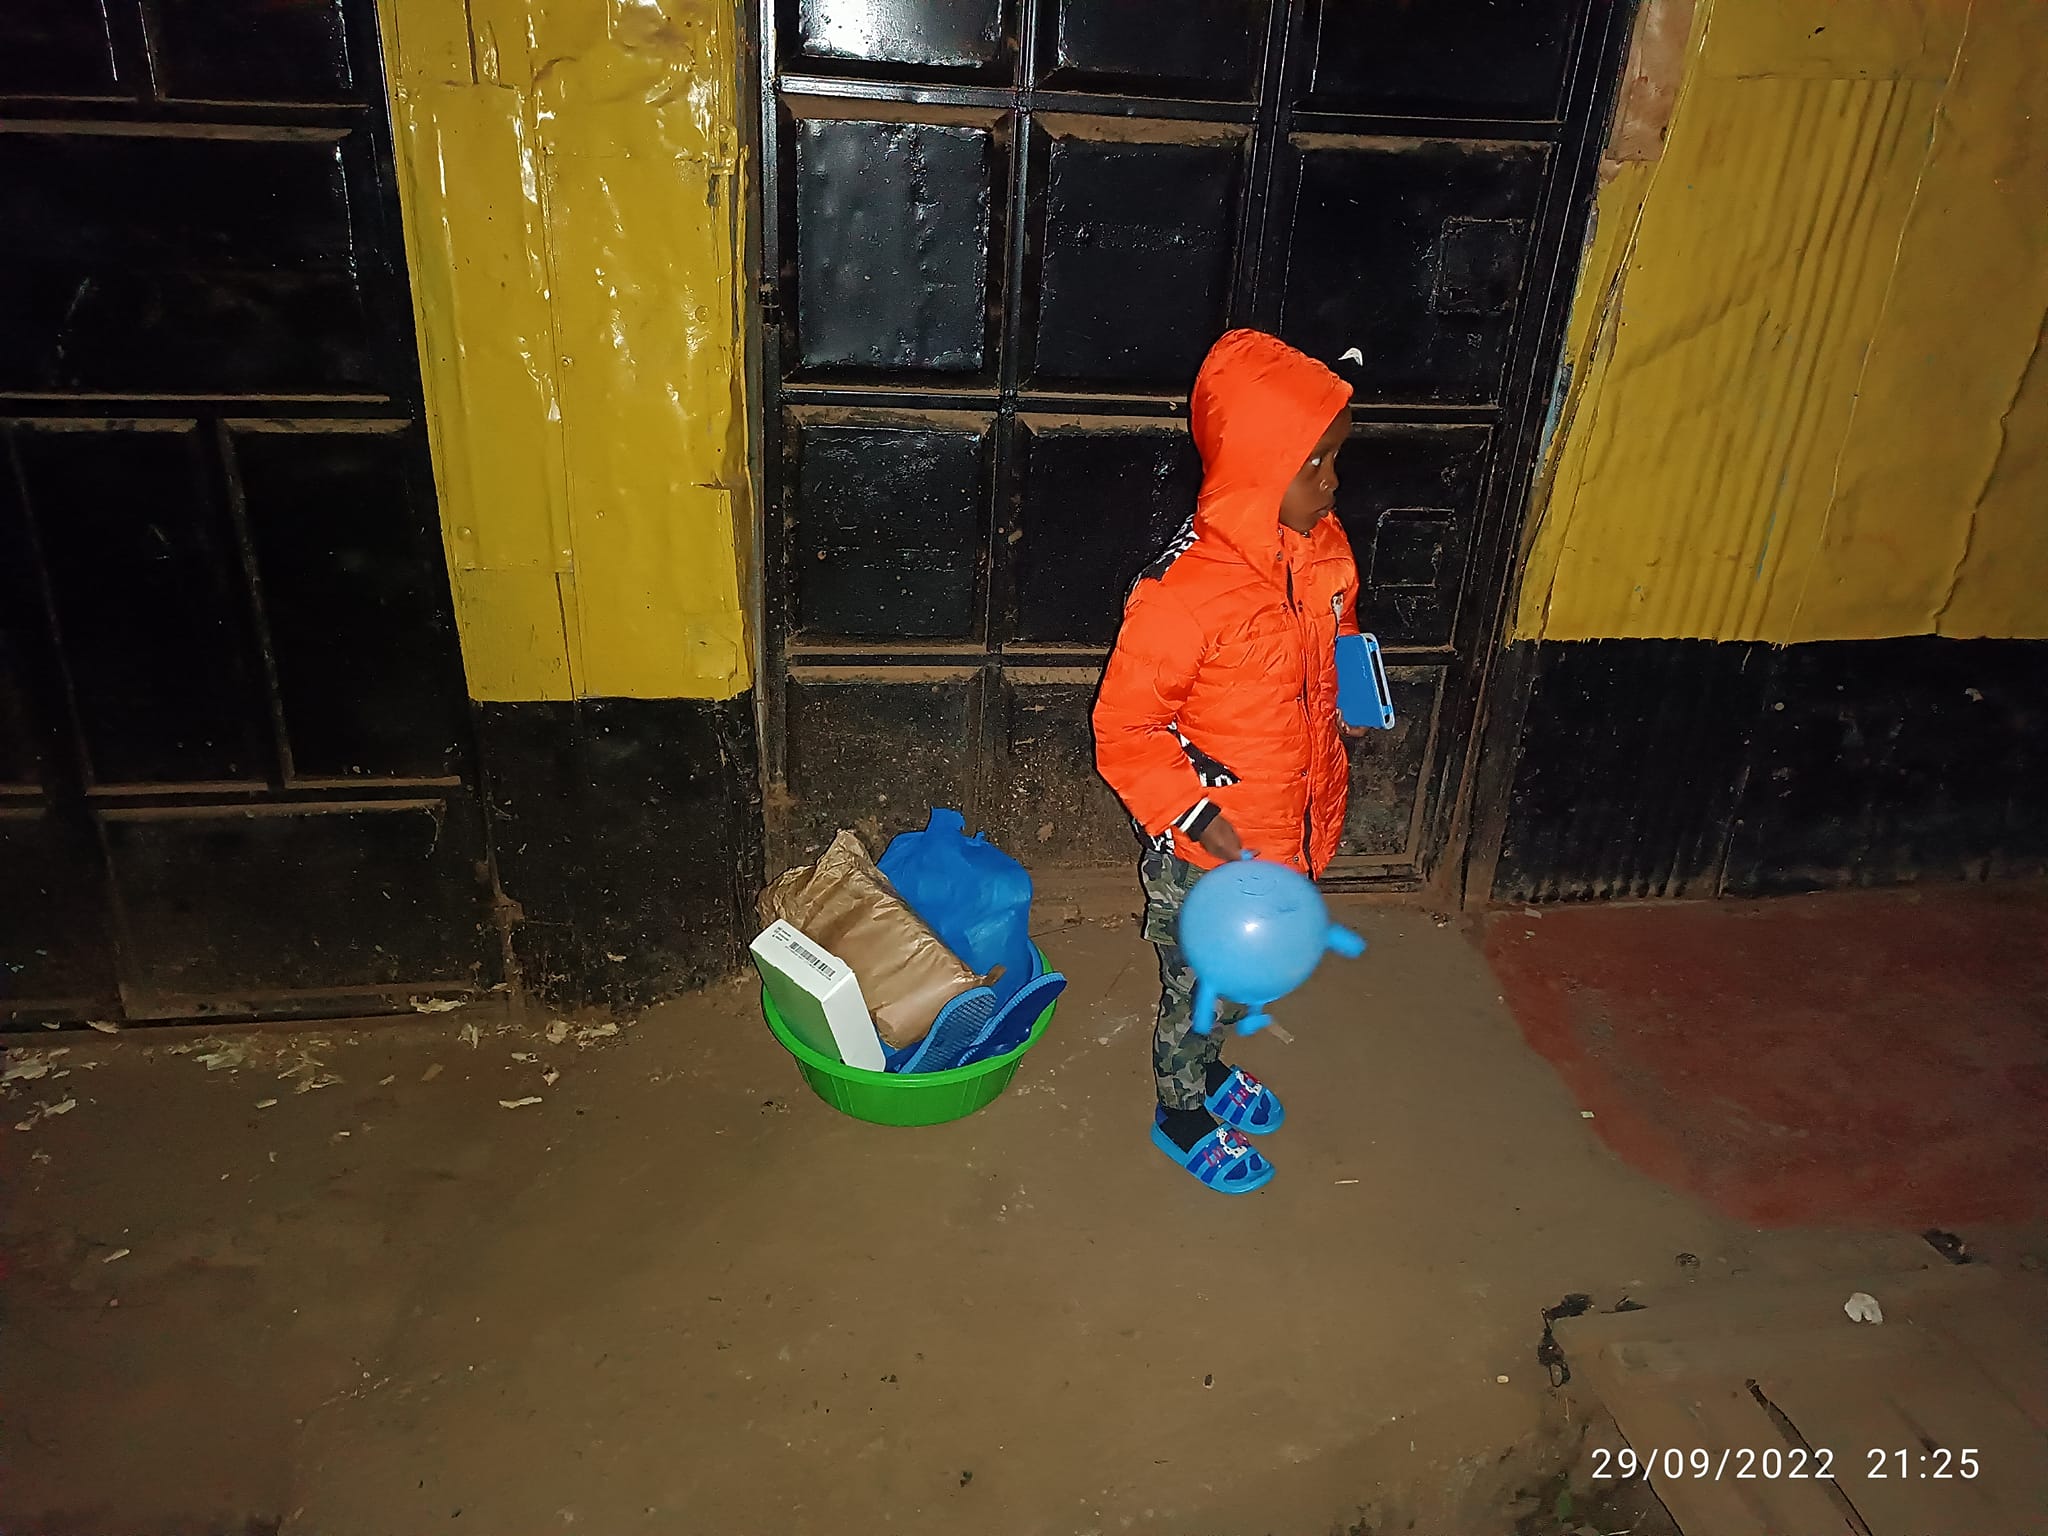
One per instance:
(1258,407)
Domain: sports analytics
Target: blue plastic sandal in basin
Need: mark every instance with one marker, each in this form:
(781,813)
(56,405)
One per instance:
(906,1098)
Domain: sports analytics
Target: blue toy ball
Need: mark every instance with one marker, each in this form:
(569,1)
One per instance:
(1253,931)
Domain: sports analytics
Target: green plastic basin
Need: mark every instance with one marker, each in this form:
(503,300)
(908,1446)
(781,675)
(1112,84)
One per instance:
(905,1098)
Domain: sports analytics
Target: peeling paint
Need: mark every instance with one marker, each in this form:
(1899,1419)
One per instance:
(570,173)
(1803,403)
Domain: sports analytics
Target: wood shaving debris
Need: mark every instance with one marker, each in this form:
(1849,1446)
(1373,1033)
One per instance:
(44,1111)
(39,1156)
(551,1077)
(265,1103)
(532,1098)
(104,1026)
(558,1031)
(435,1004)
(388,1080)
(524,1056)
(431,1073)
(118,1253)
(472,1036)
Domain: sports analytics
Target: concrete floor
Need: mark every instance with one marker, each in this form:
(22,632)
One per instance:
(680,1295)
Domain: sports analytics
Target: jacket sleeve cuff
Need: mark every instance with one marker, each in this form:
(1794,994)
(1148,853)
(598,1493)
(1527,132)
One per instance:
(1194,821)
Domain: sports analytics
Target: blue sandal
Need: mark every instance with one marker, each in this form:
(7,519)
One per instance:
(1245,1104)
(1223,1159)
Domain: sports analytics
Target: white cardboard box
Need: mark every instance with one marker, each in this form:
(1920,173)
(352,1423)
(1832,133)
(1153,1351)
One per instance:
(818,996)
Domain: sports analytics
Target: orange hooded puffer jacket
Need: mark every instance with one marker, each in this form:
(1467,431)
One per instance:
(1222,689)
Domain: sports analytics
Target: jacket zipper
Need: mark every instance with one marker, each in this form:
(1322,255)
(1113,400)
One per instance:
(1308,731)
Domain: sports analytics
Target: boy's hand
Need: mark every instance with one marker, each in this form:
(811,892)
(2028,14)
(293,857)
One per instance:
(1353,732)
(1221,839)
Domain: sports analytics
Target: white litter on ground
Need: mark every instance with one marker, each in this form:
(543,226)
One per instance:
(27,1070)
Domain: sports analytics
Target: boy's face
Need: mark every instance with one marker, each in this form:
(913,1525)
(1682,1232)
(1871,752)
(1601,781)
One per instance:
(1313,491)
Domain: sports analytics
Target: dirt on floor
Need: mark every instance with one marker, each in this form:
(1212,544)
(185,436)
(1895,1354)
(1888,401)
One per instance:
(507,1273)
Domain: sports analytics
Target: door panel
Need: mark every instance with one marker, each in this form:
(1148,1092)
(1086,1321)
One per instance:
(1134,235)
(1413,253)
(56,48)
(1054,808)
(894,238)
(871,748)
(888,522)
(363,897)
(143,577)
(53,911)
(1098,499)
(355,605)
(1408,499)
(1212,49)
(250,50)
(185,262)
(951,37)
(991,278)
(1446,58)
(1389,798)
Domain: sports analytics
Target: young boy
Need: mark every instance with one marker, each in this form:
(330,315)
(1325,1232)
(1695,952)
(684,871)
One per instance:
(1217,722)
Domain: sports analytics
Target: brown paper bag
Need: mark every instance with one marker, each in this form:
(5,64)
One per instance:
(846,904)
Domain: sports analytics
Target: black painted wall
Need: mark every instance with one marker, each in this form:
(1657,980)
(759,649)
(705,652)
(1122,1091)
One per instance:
(1696,768)
(628,838)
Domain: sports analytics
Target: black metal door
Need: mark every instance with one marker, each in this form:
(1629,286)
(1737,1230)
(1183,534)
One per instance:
(998,237)
(234,766)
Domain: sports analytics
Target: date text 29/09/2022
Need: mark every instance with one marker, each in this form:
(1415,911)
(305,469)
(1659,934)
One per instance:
(1774,1463)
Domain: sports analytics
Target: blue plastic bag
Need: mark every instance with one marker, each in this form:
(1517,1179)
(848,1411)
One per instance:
(976,898)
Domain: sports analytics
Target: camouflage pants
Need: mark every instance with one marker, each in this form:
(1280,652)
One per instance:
(1180,1057)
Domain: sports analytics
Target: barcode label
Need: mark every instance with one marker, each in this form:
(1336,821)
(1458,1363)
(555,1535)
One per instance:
(816,962)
